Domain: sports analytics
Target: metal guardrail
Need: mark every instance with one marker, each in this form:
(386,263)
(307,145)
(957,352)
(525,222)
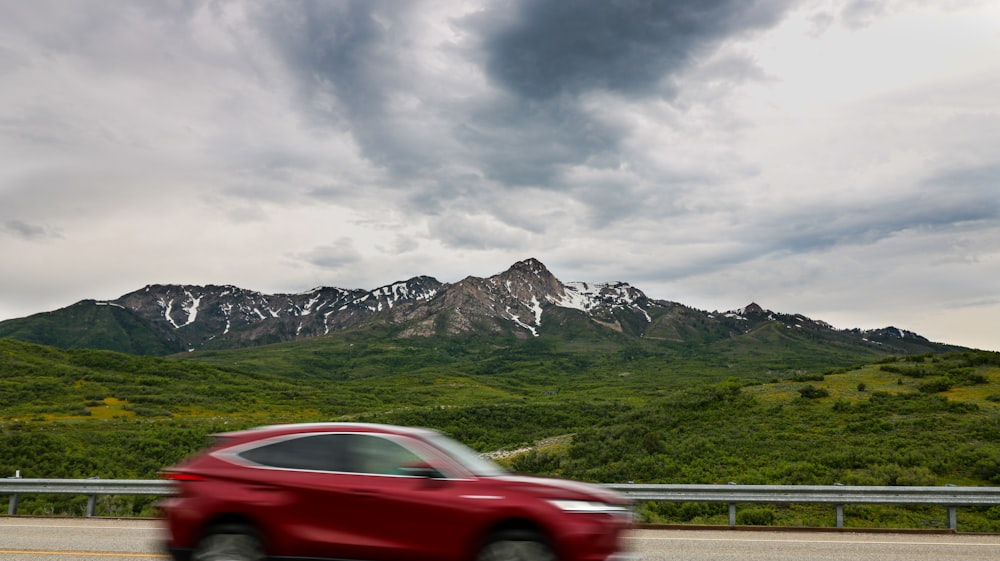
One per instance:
(839,495)
(92,488)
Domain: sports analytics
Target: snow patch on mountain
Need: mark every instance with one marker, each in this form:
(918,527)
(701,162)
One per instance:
(588,297)
(190,306)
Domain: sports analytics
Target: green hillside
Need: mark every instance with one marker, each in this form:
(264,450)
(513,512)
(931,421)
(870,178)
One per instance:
(580,353)
(87,325)
(626,409)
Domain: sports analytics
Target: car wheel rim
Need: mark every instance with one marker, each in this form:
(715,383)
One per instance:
(228,547)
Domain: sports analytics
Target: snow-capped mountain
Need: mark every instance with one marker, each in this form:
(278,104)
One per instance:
(524,301)
(511,302)
(515,301)
(201,314)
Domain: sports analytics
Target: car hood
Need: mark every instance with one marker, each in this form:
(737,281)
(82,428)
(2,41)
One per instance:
(562,488)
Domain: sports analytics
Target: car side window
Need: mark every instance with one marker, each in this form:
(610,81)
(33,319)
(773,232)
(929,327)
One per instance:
(380,456)
(345,453)
(321,452)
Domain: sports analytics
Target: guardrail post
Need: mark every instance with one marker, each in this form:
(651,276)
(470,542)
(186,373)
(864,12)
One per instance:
(12,505)
(91,500)
(840,516)
(732,510)
(953,518)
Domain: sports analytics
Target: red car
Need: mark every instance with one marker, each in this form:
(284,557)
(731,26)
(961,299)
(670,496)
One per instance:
(329,491)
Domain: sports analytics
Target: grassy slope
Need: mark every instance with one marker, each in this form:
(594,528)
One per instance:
(86,325)
(639,411)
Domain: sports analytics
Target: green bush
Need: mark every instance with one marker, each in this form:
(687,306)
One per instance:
(936,385)
(812,392)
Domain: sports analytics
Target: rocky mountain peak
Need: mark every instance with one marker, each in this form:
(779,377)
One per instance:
(529,280)
(515,301)
(530,266)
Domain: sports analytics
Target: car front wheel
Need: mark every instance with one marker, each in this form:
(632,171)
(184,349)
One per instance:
(516,545)
(229,543)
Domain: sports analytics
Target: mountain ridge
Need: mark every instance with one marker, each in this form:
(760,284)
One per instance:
(517,302)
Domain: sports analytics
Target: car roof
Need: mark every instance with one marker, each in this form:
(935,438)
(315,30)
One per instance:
(298,428)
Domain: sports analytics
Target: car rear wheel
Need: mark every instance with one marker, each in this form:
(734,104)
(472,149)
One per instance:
(516,545)
(229,543)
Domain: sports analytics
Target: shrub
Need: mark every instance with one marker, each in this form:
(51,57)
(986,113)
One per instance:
(812,392)
(936,385)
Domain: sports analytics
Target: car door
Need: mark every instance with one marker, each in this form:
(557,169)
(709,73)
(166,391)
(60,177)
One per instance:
(316,476)
(399,515)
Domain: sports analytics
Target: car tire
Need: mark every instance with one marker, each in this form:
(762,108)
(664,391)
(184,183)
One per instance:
(229,543)
(516,545)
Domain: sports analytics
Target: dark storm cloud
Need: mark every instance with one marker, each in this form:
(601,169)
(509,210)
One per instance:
(547,54)
(350,59)
(339,45)
(526,143)
(543,49)
(354,60)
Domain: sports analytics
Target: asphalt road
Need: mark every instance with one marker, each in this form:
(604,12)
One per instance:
(733,545)
(80,539)
(59,539)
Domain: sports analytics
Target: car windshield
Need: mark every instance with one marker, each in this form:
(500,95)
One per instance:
(466,456)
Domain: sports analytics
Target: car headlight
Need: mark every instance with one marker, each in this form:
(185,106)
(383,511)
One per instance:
(589,507)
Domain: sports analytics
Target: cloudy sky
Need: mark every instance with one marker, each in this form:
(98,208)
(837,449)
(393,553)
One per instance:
(835,158)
